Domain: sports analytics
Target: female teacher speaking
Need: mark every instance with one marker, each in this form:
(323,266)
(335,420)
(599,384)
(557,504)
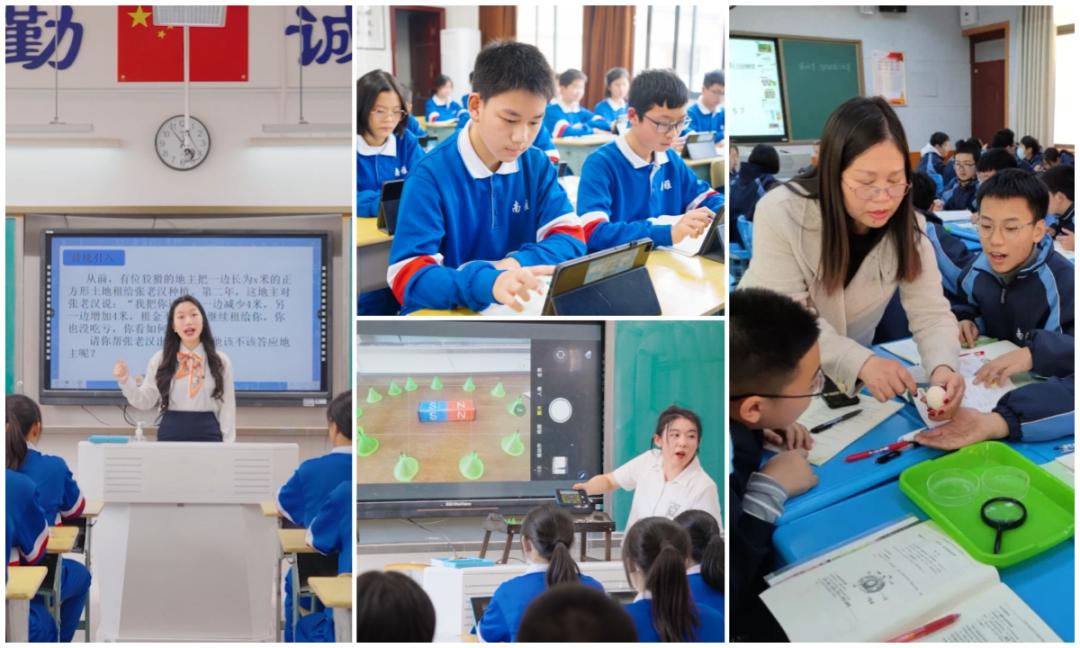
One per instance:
(667,479)
(189,379)
(842,238)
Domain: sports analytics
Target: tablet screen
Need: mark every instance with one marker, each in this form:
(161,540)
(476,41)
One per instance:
(611,264)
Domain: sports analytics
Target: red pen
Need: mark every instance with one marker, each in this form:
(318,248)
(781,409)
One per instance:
(928,629)
(899,445)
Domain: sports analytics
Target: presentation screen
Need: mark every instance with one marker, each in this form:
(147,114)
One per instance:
(107,297)
(471,411)
(756,100)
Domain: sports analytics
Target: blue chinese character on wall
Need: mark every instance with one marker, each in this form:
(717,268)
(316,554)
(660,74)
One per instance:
(28,42)
(333,40)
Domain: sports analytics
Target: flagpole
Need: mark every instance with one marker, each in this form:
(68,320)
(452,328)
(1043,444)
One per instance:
(187,79)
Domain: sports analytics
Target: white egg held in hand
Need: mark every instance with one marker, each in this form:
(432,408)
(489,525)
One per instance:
(935,397)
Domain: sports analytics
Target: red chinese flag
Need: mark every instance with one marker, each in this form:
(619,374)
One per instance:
(147,52)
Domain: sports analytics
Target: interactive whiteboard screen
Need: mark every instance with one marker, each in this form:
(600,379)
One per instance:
(107,297)
(756,101)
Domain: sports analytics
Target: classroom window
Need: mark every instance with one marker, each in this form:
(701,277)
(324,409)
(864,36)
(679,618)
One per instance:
(556,31)
(1065,95)
(689,40)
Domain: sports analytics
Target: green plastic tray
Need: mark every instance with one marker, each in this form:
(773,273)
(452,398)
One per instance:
(1049,503)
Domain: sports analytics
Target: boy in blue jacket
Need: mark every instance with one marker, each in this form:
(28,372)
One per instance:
(638,186)
(933,162)
(1018,289)
(483,215)
(959,193)
(566,117)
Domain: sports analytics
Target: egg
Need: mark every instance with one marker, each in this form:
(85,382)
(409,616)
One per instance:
(935,397)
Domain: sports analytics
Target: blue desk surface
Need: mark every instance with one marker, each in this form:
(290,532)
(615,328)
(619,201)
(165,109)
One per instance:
(1046,582)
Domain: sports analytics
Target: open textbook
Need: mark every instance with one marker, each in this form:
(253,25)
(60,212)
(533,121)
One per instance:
(895,580)
(828,443)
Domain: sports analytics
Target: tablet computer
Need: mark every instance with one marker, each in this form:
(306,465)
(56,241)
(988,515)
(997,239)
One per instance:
(710,244)
(608,282)
(388,205)
(700,146)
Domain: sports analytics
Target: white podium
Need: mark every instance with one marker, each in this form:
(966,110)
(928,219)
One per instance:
(181,550)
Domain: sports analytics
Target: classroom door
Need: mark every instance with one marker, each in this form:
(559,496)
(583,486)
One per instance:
(424,27)
(987,98)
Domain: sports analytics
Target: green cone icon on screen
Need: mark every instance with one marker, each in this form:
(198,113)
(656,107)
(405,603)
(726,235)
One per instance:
(410,385)
(517,408)
(436,384)
(498,391)
(469,385)
(471,467)
(365,445)
(373,396)
(406,468)
(359,411)
(395,389)
(512,445)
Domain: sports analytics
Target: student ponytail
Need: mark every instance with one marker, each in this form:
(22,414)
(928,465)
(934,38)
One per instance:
(21,413)
(550,530)
(659,548)
(707,546)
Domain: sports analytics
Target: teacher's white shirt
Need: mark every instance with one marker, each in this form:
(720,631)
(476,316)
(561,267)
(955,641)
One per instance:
(690,489)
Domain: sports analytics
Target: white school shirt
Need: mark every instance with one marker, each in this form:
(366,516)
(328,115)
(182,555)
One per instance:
(146,396)
(690,489)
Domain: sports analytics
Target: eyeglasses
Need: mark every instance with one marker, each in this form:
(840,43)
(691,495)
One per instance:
(965,165)
(869,192)
(382,113)
(1008,229)
(666,127)
(817,387)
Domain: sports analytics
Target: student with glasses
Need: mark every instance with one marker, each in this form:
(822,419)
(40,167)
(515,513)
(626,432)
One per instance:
(843,238)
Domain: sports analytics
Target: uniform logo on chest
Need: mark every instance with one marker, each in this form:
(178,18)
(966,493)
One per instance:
(666,185)
(517,209)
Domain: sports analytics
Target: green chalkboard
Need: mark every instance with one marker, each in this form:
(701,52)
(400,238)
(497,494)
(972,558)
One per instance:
(10,229)
(819,75)
(658,364)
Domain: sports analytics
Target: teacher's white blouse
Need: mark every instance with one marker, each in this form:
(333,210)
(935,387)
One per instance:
(690,489)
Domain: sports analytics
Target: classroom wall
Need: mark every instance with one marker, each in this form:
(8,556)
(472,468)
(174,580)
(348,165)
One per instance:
(375,59)
(938,71)
(66,425)
(236,172)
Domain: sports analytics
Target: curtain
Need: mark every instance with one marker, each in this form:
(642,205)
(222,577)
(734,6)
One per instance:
(608,41)
(1035,82)
(497,23)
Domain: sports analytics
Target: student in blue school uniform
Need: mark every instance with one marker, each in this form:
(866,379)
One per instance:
(1052,157)
(933,162)
(1030,153)
(1060,181)
(385,149)
(707,113)
(616,86)
(578,614)
(26,537)
(330,532)
(392,608)
(706,571)
(755,177)
(300,499)
(950,252)
(542,141)
(993,160)
(58,496)
(959,193)
(638,186)
(547,533)
(565,117)
(412,124)
(484,214)
(654,553)
(440,107)
(1018,289)
(775,371)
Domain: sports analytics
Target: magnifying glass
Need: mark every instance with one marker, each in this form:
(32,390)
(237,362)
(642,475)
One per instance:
(1003,514)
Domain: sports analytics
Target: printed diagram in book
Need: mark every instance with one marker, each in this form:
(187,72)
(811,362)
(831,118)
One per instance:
(873,585)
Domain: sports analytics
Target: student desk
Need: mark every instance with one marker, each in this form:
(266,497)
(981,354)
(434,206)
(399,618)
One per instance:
(685,286)
(574,150)
(703,168)
(1068,254)
(441,130)
(1046,582)
(62,539)
(335,592)
(22,585)
(966,232)
(372,255)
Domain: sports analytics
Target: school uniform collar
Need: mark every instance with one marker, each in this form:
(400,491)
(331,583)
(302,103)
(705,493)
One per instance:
(642,596)
(633,158)
(611,102)
(535,568)
(691,468)
(435,100)
(341,450)
(199,350)
(696,569)
(32,447)
(477,169)
(704,110)
(389,148)
(568,108)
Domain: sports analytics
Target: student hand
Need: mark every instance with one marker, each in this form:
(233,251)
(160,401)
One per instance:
(1067,239)
(886,378)
(969,332)
(120,371)
(509,263)
(693,224)
(512,285)
(792,471)
(967,427)
(954,392)
(679,143)
(995,372)
(792,437)
(938,205)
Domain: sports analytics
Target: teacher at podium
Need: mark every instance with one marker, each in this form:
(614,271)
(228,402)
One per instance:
(189,380)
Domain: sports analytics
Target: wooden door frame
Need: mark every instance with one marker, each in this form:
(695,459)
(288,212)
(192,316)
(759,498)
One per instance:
(393,28)
(1002,27)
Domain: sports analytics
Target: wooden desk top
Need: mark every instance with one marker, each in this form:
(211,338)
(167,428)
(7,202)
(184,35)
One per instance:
(269,509)
(368,232)
(685,286)
(93,508)
(62,539)
(596,139)
(333,591)
(703,161)
(294,541)
(24,581)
